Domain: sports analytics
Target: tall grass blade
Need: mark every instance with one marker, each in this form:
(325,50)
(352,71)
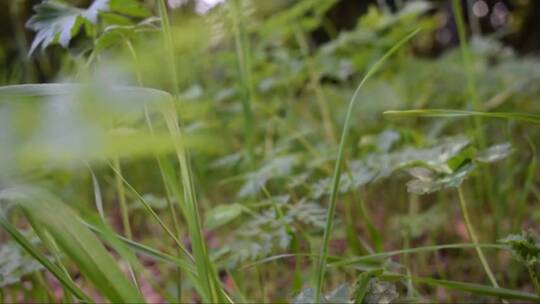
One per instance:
(321,267)
(206,272)
(525,117)
(474,238)
(387,254)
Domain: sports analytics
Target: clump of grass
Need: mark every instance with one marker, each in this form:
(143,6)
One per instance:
(199,225)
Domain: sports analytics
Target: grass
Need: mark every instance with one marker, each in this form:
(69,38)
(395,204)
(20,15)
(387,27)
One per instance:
(194,158)
(321,267)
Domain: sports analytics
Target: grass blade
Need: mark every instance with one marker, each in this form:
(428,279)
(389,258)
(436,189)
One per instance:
(382,255)
(478,289)
(525,117)
(151,211)
(213,292)
(66,282)
(146,251)
(321,267)
(45,212)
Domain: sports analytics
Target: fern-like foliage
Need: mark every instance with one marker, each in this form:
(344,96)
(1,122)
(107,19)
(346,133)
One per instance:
(525,247)
(374,291)
(267,233)
(15,264)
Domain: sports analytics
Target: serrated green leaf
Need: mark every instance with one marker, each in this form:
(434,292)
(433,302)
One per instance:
(58,22)
(53,21)
(431,183)
(525,246)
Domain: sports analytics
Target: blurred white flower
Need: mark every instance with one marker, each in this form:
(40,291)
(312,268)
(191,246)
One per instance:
(201,6)
(173,4)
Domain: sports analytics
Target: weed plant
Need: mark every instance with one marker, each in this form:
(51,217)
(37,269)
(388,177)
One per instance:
(181,157)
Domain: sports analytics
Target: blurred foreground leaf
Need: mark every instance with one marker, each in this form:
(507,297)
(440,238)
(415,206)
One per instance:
(48,215)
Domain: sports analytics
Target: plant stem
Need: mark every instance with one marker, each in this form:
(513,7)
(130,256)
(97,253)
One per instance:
(212,290)
(160,160)
(468,67)
(474,239)
(321,266)
(121,191)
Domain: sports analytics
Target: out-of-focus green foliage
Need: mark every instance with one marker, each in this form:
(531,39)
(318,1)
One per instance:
(230,129)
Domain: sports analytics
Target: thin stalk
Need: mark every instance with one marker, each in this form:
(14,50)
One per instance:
(413,211)
(244,71)
(44,295)
(212,290)
(121,191)
(160,161)
(53,248)
(124,213)
(476,106)
(474,239)
(149,209)
(321,267)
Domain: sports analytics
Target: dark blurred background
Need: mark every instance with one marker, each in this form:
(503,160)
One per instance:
(513,22)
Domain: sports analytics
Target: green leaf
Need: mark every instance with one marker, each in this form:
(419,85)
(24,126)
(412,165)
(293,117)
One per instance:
(53,22)
(132,8)
(116,34)
(72,123)
(221,215)
(428,182)
(495,153)
(525,246)
(58,22)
